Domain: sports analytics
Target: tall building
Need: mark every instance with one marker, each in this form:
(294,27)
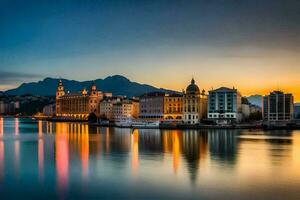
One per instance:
(194,104)
(278,106)
(225,105)
(78,105)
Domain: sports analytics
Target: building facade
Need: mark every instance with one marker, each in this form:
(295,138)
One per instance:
(173,104)
(78,105)
(224,105)
(124,110)
(105,108)
(278,106)
(159,106)
(152,106)
(194,104)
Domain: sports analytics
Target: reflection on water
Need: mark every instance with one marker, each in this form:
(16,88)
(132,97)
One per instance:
(75,160)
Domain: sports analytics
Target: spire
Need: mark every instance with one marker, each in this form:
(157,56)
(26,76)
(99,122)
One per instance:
(60,86)
(93,87)
(193,81)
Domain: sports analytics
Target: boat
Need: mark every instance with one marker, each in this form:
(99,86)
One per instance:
(126,123)
(145,124)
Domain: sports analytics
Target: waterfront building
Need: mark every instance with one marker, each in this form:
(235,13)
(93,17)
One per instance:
(160,106)
(105,108)
(7,108)
(78,105)
(224,105)
(297,111)
(152,106)
(2,107)
(49,110)
(173,104)
(124,110)
(194,104)
(278,106)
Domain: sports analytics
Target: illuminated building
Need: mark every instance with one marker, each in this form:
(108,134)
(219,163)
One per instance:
(78,105)
(173,104)
(225,105)
(194,104)
(278,106)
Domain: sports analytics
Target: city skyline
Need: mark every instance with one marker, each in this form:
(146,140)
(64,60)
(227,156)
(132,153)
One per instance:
(251,45)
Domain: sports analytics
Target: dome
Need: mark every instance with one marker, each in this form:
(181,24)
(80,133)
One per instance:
(192,88)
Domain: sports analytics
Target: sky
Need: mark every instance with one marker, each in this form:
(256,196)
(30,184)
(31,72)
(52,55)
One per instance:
(253,45)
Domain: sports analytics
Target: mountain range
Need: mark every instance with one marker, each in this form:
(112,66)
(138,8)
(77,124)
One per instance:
(117,84)
(255,100)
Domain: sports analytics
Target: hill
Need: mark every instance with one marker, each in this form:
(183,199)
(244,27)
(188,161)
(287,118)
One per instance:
(118,85)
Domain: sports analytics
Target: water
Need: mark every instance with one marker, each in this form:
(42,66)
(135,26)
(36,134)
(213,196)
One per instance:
(70,160)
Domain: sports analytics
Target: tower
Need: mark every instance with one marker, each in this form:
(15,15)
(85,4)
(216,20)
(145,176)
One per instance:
(94,99)
(59,93)
(60,90)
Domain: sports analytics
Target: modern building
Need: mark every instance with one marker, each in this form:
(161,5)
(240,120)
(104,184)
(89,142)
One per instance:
(297,111)
(78,105)
(194,104)
(224,105)
(278,106)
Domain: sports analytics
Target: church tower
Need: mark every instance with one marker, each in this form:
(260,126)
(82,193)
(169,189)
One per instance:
(60,90)
(59,93)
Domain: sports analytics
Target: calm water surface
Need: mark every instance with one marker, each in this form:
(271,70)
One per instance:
(70,160)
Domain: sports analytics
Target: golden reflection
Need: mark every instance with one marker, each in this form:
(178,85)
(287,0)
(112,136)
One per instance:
(135,151)
(41,158)
(176,150)
(107,141)
(295,154)
(40,150)
(85,150)
(62,155)
(40,128)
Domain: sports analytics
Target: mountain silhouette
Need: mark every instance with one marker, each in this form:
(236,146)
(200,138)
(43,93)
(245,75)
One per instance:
(255,100)
(117,84)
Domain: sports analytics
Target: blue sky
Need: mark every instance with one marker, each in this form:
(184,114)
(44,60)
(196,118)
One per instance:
(163,43)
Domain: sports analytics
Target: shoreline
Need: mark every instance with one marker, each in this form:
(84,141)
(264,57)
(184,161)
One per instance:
(166,126)
(243,126)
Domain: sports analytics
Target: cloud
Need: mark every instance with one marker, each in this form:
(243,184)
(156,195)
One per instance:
(14,77)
